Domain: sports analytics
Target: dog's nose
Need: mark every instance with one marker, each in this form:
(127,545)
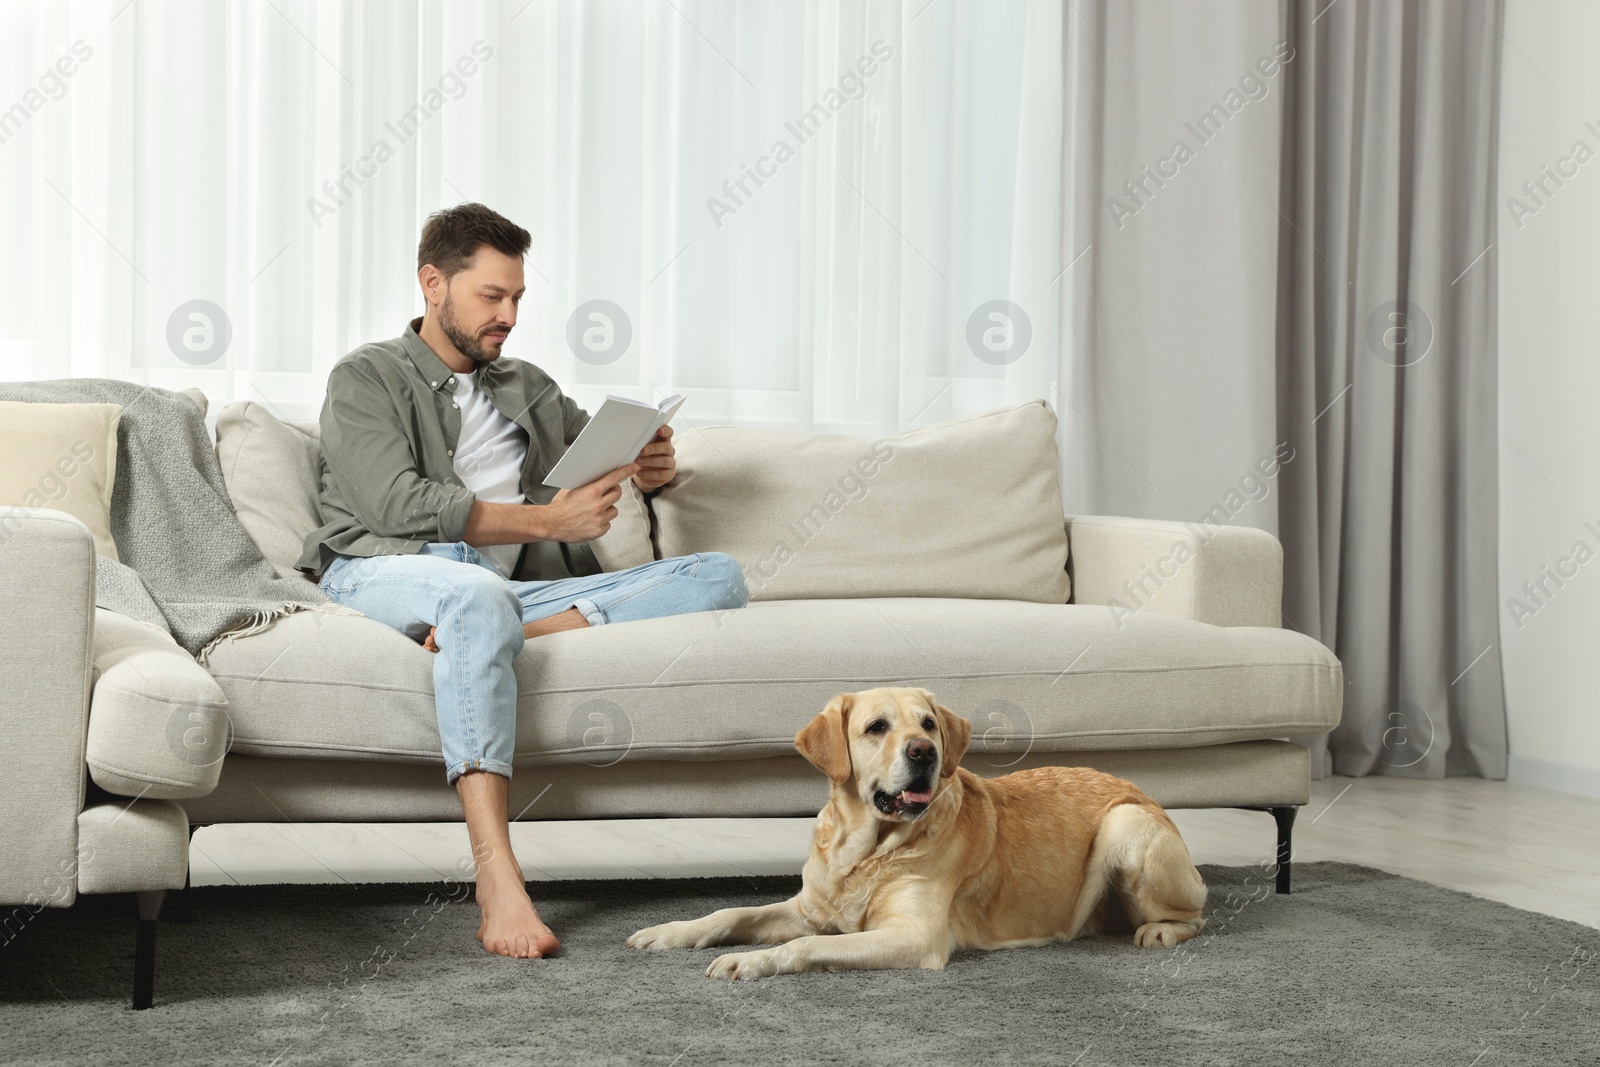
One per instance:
(920,750)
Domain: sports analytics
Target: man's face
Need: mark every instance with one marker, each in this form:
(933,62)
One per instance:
(479,306)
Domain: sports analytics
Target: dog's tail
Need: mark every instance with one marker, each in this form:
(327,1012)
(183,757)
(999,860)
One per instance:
(1098,871)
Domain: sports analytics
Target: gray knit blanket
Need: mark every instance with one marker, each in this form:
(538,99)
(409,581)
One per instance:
(187,565)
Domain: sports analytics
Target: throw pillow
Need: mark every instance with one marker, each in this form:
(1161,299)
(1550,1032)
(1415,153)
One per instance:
(62,457)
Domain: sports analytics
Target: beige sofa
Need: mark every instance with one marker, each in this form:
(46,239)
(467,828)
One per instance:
(1146,648)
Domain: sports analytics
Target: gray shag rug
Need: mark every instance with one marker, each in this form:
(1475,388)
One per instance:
(1356,967)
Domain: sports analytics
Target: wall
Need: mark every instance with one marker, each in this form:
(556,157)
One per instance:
(1549,263)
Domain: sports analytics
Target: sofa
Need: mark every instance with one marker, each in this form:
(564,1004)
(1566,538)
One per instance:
(940,558)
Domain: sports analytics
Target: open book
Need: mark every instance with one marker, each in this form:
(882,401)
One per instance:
(612,438)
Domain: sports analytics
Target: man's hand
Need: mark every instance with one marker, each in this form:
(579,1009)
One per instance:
(584,513)
(657,462)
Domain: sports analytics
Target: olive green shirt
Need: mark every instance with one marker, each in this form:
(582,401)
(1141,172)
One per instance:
(389,433)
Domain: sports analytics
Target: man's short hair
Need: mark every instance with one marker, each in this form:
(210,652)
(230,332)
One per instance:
(453,235)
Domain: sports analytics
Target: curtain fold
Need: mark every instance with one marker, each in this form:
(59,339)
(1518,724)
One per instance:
(1386,366)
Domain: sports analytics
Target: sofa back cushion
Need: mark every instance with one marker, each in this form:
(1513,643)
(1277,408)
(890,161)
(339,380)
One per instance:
(966,508)
(271,468)
(62,457)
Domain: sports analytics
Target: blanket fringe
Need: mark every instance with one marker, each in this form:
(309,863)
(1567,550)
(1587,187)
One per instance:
(265,617)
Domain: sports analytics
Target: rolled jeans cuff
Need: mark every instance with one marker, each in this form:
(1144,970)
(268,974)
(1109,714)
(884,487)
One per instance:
(494,766)
(590,611)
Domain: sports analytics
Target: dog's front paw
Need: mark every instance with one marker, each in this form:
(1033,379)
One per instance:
(745,966)
(668,935)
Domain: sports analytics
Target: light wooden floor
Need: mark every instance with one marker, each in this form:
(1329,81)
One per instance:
(1531,848)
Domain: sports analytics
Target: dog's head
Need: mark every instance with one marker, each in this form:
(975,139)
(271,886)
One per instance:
(889,748)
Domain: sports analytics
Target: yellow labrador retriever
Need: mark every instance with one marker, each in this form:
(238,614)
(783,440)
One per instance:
(915,858)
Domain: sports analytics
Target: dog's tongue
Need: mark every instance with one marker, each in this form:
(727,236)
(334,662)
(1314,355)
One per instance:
(911,796)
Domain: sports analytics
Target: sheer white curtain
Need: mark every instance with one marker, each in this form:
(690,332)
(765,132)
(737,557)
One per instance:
(276,160)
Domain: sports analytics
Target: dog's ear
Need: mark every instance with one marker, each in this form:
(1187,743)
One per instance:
(823,740)
(957,734)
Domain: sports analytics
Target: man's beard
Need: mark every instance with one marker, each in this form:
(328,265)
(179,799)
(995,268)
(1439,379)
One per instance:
(466,344)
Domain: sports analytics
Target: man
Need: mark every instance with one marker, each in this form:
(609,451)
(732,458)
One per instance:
(435,523)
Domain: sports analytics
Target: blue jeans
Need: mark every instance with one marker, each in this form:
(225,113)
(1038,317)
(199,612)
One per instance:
(480,616)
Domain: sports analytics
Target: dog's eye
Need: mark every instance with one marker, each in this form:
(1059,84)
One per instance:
(877,727)
(927,724)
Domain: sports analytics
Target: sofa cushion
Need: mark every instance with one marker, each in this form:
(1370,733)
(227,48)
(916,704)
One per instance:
(272,468)
(737,684)
(200,400)
(158,723)
(273,789)
(627,543)
(62,457)
(967,508)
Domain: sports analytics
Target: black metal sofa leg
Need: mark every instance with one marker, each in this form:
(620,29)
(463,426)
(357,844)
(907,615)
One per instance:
(144,952)
(1285,819)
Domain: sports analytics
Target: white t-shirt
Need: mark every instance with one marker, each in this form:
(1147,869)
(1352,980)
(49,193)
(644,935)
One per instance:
(489,458)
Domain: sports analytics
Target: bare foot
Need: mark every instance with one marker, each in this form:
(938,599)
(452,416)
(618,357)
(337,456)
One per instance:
(511,925)
(428,642)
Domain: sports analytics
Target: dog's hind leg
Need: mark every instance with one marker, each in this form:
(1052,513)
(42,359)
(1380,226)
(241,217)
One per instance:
(1151,872)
